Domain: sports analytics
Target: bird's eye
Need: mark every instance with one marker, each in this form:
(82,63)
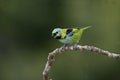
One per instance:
(56,32)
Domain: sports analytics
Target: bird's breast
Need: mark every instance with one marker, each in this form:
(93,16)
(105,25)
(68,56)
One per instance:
(66,40)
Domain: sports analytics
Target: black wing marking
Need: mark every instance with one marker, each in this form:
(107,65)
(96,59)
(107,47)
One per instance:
(69,32)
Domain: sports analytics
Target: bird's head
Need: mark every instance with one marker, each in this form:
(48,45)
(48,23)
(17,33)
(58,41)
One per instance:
(56,33)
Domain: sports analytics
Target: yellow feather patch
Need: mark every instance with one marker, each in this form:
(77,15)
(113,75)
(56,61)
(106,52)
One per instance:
(63,33)
(75,30)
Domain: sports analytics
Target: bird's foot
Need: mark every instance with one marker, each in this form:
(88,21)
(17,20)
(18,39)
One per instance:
(65,45)
(75,46)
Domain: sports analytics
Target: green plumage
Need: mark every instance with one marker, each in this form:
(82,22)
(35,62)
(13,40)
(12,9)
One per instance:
(68,35)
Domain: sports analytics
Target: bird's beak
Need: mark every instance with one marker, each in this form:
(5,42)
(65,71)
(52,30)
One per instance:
(54,35)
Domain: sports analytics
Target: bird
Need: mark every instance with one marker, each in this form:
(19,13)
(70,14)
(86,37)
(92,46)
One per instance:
(68,36)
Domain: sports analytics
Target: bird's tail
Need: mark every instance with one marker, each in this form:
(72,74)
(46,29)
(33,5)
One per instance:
(86,27)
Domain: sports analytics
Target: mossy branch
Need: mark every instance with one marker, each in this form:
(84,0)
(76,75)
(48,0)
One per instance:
(60,50)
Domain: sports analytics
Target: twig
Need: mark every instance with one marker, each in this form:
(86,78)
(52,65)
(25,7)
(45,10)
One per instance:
(60,50)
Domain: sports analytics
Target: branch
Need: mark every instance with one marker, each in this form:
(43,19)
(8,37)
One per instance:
(60,50)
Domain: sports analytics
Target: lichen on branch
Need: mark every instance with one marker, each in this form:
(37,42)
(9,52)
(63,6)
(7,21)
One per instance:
(60,50)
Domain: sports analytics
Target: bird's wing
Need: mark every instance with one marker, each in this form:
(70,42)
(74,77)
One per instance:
(71,31)
(68,32)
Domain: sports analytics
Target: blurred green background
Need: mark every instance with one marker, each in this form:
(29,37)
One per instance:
(25,39)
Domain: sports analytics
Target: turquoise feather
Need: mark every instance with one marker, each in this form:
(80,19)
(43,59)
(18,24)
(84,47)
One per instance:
(68,35)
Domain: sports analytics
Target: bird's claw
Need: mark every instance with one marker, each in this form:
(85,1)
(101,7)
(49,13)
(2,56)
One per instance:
(64,46)
(75,46)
